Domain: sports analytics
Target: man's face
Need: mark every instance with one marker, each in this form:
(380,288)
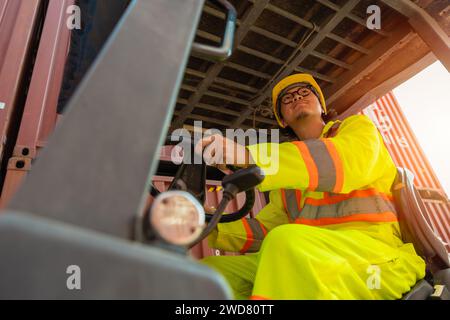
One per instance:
(299,103)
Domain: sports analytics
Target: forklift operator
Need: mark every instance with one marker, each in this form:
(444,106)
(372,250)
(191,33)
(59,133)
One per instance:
(330,230)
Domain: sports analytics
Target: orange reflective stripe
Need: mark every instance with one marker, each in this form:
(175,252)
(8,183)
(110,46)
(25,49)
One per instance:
(342,197)
(298,196)
(255,233)
(250,238)
(310,165)
(367,217)
(258,298)
(337,165)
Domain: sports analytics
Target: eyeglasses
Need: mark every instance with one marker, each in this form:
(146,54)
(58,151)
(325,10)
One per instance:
(289,97)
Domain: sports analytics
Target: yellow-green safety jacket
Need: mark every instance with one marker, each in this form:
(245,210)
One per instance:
(342,180)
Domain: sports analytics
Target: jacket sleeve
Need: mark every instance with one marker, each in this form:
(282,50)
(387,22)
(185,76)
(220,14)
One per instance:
(354,158)
(247,234)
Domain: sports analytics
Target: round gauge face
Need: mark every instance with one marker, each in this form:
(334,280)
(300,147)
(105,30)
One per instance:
(177,217)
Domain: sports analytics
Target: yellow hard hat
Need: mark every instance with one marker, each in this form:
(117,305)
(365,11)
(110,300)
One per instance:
(290,80)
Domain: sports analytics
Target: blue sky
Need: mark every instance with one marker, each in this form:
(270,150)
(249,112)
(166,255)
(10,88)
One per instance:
(425,100)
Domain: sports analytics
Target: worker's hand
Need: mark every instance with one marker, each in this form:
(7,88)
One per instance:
(220,151)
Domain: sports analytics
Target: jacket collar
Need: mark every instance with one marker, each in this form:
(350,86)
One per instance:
(330,129)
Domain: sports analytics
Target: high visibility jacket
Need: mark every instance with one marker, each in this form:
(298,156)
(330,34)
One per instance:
(340,181)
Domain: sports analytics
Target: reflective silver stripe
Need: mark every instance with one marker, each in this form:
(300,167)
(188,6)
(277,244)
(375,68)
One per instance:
(291,203)
(373,204)
(258,234)
(257,229)
(325,166)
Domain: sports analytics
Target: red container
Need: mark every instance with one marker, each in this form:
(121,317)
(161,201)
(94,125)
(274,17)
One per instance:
(18,26)
(39,115)
(406,152)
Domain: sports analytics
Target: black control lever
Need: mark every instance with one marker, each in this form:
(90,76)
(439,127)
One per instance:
(243,180)
(239,181)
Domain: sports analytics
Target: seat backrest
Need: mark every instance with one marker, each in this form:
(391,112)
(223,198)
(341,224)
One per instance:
(414,222)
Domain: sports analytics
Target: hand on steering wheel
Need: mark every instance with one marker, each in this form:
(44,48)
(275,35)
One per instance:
(220,151)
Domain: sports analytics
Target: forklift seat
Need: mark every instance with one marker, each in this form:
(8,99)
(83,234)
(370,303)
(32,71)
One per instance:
(416,228)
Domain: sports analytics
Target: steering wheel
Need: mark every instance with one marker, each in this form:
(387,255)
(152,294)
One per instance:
(192,178)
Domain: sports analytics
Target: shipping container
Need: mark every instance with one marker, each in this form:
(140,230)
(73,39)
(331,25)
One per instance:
(40,112)
(406,152)
(20,27)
